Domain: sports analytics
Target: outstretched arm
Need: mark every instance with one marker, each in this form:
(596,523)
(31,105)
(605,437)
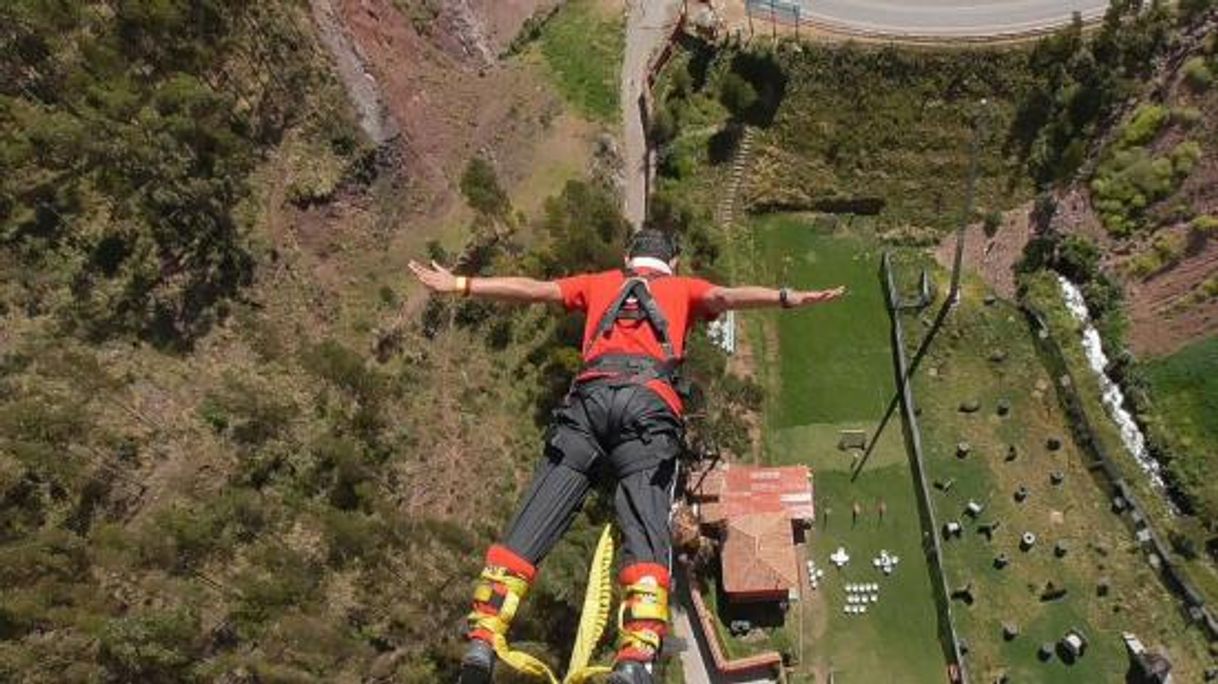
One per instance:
(723,299)
(440,279)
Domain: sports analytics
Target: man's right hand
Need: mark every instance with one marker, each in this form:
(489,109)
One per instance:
(437,278)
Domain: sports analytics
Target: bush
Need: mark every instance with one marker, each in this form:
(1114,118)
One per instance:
(1128,181)
(152,647)
(1144,125)
(1197,74)
(663,126)
(737,95)
(480,186)
(1078,259)
(1206,224)
(991,223)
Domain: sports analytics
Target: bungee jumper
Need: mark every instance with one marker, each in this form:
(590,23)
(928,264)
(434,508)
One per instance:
(622,420)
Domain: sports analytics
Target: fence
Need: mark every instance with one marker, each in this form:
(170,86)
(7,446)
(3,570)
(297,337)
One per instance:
(783,11)
(913,437)
(1130,509)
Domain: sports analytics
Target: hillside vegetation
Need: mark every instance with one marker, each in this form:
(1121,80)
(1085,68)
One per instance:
(128,133)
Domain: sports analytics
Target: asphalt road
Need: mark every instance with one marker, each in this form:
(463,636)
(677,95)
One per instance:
(949,18)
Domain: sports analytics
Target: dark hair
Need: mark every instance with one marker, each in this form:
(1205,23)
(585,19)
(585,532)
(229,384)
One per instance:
(650,242)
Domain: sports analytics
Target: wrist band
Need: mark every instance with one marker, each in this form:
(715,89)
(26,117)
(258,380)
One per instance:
(469,284)
(784,297)
(463,285)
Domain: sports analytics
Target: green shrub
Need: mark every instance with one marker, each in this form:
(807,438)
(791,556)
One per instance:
(1128,181)
(277,578)
(1169,247)
(1078,259)
(1197,74)
(663,125)
(480,186)
(736,95)
(316,172)
(150,647)
(1145,263)
(1206,224)
(1184,158)
(1144,125)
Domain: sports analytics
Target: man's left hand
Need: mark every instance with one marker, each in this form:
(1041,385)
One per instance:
(819,296)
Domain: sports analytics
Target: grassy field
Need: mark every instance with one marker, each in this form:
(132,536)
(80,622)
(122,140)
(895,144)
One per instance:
(1185,389)
(582,45)
(833,364)
(829,369)
(1076,512)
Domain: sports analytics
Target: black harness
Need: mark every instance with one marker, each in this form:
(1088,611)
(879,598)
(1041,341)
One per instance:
(634,302)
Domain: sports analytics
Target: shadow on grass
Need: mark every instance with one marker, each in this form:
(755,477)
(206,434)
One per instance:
(923,347)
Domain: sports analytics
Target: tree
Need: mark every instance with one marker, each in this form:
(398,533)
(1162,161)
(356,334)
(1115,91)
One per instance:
(481,188)
(586,230)
(737,95)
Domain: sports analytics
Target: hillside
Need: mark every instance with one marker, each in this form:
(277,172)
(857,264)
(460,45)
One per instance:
(235,442)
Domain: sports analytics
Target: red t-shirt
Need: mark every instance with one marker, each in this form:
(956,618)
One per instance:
(680,298)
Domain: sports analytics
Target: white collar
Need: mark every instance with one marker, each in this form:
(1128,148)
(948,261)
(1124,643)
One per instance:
(651,263)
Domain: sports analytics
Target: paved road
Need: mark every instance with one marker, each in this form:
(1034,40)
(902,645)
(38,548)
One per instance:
(648,23)
(949,18)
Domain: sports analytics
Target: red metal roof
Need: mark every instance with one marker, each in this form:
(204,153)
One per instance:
(758,556)
(733,491)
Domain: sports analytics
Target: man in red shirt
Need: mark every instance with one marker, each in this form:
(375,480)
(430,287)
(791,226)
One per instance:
(622,420)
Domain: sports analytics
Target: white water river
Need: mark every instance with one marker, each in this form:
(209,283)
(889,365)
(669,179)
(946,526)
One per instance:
(1112,396)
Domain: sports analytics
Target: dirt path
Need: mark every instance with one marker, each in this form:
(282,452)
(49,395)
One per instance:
(648,23)
(361,85)
(993,258)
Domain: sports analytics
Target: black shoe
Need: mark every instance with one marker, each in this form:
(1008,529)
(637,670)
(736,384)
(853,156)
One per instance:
(630,672)
(478,664)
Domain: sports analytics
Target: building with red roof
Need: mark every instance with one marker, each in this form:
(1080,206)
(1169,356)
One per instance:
(760,514)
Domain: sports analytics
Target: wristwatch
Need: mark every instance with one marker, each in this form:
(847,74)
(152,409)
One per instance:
(784,297)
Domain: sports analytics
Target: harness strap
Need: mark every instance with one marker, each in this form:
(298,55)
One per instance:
(635,290)
(642,619)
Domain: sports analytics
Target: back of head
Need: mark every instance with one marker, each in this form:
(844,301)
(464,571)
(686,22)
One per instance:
(655,244)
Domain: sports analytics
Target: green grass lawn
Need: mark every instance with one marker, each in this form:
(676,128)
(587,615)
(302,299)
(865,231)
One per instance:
(833,362)
(1076,512)
(1184,387)
(830,368)
(582,45)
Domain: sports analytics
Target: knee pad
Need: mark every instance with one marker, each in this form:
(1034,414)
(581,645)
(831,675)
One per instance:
(643,616)
(501,587)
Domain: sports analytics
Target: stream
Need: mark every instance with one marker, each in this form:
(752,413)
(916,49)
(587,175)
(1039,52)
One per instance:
(1111,395)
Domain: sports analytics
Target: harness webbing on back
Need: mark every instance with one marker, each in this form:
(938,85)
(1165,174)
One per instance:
(634,302)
